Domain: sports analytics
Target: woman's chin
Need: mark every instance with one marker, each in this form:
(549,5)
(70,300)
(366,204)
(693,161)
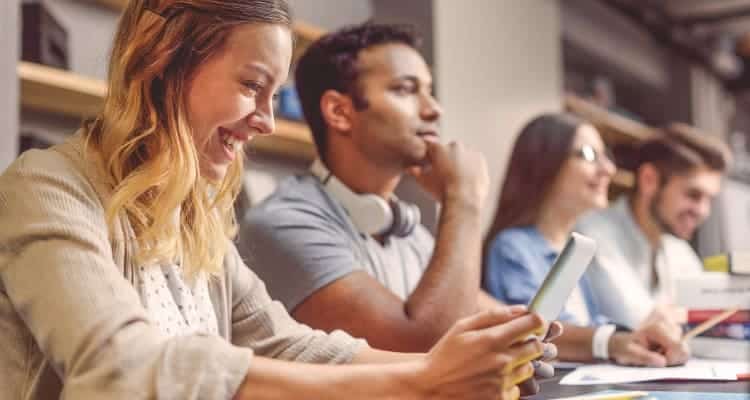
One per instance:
(601,202)
(213,173)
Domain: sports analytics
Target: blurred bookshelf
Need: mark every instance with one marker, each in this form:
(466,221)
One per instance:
(60,92)
(623,178)
(615,128)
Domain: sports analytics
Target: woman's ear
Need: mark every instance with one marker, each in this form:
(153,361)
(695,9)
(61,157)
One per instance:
(337,110)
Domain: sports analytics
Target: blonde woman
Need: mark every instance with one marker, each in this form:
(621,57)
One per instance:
(118,276)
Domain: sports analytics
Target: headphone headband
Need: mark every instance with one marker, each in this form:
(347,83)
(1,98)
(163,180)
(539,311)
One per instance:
(370,213)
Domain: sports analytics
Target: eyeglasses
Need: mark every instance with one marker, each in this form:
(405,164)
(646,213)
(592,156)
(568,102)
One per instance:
(590,154)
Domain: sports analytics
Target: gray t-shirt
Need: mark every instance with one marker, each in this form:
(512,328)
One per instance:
(301,239)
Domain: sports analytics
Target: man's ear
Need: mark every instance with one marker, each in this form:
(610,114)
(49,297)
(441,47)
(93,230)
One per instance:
(337,110)
(649,179)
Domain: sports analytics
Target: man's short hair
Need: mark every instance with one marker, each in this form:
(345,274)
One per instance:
(679,149)
(331,63)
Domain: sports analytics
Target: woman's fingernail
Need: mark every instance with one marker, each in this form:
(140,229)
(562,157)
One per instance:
(549,351)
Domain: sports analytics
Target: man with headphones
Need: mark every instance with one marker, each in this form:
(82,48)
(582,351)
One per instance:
(335,245)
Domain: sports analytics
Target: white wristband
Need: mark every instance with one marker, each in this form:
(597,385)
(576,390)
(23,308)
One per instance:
(600,341)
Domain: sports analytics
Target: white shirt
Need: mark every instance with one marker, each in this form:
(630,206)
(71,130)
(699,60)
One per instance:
(621,272)
(176,307)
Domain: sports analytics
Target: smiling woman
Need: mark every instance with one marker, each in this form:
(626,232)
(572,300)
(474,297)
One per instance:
(230,96)
(165,51)
(118,275)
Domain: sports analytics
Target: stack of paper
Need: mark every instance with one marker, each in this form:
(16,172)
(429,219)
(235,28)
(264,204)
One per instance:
(658,395)
(700,370)
(708,294)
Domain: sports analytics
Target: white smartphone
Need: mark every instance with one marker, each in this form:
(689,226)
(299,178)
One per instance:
(563,277)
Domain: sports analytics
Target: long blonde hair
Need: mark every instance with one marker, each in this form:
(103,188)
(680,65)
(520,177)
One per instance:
(143,137)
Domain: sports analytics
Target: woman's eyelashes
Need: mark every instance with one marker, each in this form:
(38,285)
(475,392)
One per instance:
(257,89)
(254,87)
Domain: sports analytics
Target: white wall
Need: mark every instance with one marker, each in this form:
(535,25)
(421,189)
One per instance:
(498,64)
(414,12)
(9,48)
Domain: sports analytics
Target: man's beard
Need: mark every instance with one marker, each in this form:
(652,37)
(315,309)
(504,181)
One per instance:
(654,209)
(658,217)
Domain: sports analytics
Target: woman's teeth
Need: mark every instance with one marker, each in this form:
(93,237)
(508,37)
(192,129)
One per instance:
(231,141)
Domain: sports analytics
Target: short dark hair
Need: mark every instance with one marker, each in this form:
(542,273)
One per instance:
(331,63)
(679,148)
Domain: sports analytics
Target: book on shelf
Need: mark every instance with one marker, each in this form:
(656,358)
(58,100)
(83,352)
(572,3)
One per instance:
(734,262)
(719,348)
(696,316)
(737,330)
(713,290)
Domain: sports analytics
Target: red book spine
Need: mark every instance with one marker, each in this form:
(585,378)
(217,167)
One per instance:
(698,316)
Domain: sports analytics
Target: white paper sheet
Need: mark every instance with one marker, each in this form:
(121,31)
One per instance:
(699,370)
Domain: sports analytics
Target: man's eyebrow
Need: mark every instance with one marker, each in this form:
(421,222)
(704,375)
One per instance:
(414,79)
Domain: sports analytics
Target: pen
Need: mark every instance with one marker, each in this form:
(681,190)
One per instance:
(709,323)
(608,396)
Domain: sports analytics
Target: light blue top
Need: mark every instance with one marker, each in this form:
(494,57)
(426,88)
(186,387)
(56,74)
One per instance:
(518,259)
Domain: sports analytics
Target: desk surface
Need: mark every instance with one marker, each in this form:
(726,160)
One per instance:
(551,389)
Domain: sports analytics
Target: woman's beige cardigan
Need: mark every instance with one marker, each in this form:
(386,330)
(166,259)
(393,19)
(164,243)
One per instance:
(71,323)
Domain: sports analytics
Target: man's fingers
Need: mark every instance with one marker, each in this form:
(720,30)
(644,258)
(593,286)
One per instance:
(678,355)
(666,335)
(435,148)
(415,171)
(639,355)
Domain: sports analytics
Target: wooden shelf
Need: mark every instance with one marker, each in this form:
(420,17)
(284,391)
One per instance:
(307,31)
(61,92)
(291,139)
(615,129)
(623,179)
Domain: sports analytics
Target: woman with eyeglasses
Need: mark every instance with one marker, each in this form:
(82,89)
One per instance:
(559,170)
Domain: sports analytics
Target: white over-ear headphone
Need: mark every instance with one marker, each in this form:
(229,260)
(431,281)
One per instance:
(370,213)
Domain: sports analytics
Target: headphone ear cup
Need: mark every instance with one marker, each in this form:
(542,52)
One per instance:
(406,217)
